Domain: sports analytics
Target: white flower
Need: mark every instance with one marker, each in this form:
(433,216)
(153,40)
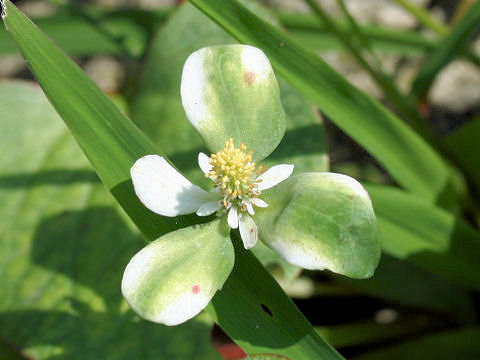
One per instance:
(238,186)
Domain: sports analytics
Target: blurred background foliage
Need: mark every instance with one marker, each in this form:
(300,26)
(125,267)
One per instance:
(60,296)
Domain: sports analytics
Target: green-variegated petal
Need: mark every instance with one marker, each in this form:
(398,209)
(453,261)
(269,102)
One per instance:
(173,278)
(322,221)
(230,91)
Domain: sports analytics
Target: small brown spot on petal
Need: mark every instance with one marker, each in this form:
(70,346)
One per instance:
(195,289)
(249,77)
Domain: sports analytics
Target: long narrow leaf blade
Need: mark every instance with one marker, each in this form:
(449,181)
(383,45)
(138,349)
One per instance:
(426,235)
(99,127)
(410,161)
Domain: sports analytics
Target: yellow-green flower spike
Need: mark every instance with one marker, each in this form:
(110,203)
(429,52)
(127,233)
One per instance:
(233,172)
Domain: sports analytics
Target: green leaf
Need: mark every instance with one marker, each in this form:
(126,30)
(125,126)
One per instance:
(309,30)
(9,352)
(230,91)
(322,221)
(312,34)
(81,31)
(268,323)
(409,160)
(403,282)
(304,143)
(464,145)
(270,258)
(174,277)
(358,45)
(424,17)
(426,235)
(108,138)
(452,45)
(453,344)
(64,244)
(371,332)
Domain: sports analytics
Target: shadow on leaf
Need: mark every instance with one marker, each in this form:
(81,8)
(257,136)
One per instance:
(86,334)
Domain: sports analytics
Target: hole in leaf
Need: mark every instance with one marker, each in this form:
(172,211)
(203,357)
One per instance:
(266,309)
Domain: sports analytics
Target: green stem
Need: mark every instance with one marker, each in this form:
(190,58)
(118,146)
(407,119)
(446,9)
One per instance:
(403,104)
(364,41)
(424,17)
(461,11)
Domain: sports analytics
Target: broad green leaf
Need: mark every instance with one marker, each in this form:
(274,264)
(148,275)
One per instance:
(107,137)
(230,91)
(304,143)
(322,221)
(451,46)
(453,344)
(409,160)
(64,244)
(174,277)
(426,235)
(112,143)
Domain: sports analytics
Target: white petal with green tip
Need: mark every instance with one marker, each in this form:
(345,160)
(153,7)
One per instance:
(173,278)
(322,221)
(230,91)
(164,190)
